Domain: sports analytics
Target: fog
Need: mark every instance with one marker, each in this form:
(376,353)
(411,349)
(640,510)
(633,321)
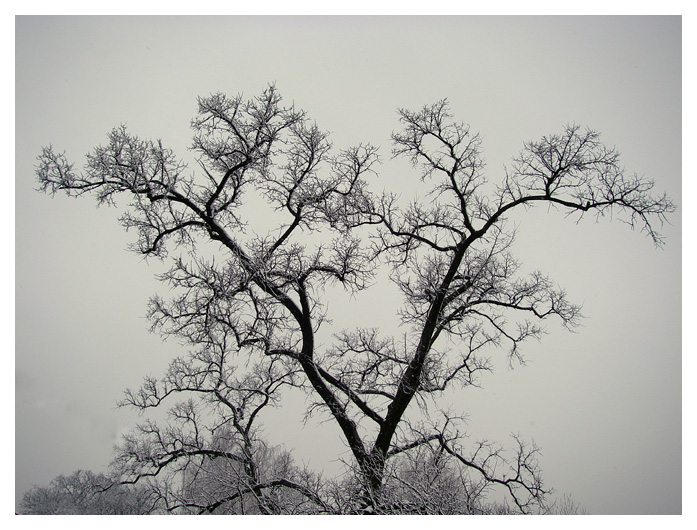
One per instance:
(603,403)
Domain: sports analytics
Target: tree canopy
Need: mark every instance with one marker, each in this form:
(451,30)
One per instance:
(249,300)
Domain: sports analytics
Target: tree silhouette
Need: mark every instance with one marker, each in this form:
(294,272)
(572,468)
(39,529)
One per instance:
(248,289)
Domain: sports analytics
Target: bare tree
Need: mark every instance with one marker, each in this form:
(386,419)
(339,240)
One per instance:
(85,492)
(209,458)
(255,293)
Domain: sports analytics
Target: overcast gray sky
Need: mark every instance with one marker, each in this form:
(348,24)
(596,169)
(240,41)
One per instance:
(604,404)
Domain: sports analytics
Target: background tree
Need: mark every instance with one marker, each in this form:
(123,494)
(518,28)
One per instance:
(256,293)
(87,493)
